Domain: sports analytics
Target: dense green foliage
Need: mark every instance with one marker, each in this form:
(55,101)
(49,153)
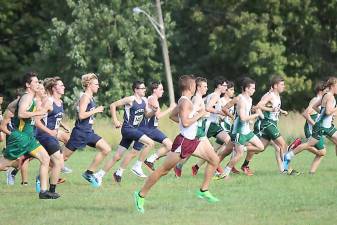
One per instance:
(293,38)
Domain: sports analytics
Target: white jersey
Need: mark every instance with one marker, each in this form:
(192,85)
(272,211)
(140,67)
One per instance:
(213,117)
(276,105)
(240,126)
(189,132)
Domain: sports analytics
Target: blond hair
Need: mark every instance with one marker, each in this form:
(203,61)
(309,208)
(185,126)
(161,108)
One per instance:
(331,81)
(87,78)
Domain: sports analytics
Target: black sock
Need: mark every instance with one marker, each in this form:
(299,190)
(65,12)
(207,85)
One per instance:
(203,190)
(89,172)
(52,187)
(245,163)
(196,166)
(24,183)
(14,172)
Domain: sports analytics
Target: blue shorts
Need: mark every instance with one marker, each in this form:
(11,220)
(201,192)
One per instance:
(80,139)
(129,135)
(50,143)
(154,133)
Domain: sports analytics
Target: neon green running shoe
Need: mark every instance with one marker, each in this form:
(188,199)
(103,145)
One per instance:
(207,195)
(139,201)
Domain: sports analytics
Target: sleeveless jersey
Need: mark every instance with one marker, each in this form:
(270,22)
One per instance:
(240,126)
(214,117)
(134,114)
(53,118)
(324,119)
(152,122)
(26,125)
(275,104)
(189,132)
(86,124)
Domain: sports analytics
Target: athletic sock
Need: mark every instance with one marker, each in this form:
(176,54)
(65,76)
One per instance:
(101,173)
(152,158)
(196,166)
(245,163)
(119,172)
(89,172)
(52,187)
(140,195)
(203,190)
(227,170)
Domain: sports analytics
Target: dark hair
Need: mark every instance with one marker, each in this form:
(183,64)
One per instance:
(230,84)
(320,86)
(27,78)
(218,81)
(275,79)
(136,84)
(199,80)
(245,82)
(185,82)
(154,85)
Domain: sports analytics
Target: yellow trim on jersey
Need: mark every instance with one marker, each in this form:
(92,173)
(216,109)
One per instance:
(21,124)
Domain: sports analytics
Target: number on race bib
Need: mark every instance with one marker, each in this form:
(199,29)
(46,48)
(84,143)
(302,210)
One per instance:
(137,120)
(57,123)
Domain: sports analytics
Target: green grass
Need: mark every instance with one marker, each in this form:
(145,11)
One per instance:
(265,198)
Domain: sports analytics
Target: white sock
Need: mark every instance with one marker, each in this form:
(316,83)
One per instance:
(119,172)
(138,164)
(101,173)
(227,170)
(152,158)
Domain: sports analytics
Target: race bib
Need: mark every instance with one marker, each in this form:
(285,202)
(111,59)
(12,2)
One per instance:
(137,120)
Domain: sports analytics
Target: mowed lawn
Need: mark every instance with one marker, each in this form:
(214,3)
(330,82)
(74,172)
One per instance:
(265,198)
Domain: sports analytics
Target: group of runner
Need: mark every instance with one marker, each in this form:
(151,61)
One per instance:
(33,127)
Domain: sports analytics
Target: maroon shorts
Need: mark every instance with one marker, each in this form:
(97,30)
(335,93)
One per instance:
(184,146)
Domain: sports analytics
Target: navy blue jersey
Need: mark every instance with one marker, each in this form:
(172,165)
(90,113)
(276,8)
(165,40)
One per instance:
(53,118)
(86,124)
(134,114)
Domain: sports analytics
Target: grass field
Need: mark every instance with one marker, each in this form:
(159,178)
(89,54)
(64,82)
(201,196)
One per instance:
(265,198)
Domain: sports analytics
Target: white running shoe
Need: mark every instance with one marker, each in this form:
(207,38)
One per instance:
(10,177)
(66,169)
(138,172)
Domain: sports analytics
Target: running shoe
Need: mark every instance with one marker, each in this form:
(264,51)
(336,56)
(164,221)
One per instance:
(138,172)
(294,173)
(207,196)
(235,171)
(48,195)
(37,184)
(61,181)
(10,176)
(150,165)
(91,179)
(195,169)
(117,178)
(177,171)
(139,202)
(66,169)
(247,170)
